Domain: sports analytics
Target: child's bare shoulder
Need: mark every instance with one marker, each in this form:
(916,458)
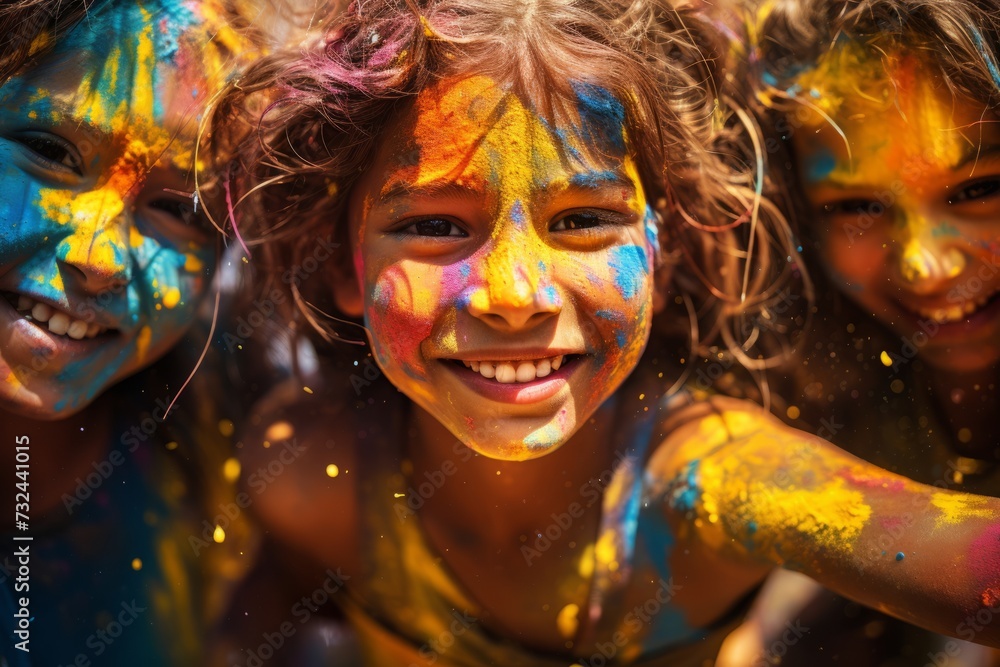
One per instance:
(297,457)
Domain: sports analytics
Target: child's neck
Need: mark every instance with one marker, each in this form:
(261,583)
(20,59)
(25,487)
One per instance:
(60,452)
(591,450)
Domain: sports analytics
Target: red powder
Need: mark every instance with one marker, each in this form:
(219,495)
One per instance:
(871,482)
(984,561)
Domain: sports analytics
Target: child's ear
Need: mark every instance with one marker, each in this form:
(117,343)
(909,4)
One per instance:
(347,291)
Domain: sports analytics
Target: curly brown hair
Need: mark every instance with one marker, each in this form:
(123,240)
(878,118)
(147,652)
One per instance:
(301,127)
(960,36)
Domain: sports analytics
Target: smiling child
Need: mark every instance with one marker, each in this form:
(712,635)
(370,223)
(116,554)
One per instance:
(517,188)
(104,262)
(889,111)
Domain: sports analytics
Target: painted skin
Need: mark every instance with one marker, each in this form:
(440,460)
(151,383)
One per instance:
(462,253)
(910,212)
(482,236)
(92,137)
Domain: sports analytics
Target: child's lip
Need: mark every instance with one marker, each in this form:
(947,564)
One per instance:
(534,390)
(524,354)
(44,312)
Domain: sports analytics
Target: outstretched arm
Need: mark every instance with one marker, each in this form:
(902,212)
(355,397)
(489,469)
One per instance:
(754,489)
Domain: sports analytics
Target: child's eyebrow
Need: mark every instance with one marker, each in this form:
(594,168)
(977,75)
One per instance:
(976,152)
(442,189)
(69,115)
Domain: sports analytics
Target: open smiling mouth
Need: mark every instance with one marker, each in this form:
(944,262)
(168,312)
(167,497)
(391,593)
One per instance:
(52,319)
(520,371)
(959,312)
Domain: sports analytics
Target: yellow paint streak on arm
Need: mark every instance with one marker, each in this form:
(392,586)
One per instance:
(957,507)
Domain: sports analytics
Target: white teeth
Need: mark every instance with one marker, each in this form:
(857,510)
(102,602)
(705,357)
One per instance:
(41,312)
(525,372)
(59,323)
(77,330)
(958,312)
(507,372)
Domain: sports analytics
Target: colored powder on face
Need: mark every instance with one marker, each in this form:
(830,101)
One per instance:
(602,117)
(900,556)
(594,179)
(820,165)
(629,266)
(956,507)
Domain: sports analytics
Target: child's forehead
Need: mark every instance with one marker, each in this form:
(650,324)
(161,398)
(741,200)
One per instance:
(127,61)
(856,80)
(476,118)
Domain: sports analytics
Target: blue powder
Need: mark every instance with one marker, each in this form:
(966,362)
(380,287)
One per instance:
(629,266)
(820,166)
(900,556)
(594,179)
(602,116)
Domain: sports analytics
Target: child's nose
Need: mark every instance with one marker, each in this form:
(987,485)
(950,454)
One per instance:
(515,293)
(928,257)
(98,248)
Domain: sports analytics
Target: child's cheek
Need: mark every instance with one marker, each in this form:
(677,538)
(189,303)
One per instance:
(404,302)
(616,288)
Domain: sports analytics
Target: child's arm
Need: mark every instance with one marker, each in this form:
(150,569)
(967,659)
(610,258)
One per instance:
(754,489)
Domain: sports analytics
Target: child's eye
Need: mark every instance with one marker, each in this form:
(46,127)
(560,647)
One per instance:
(434,227)
(976,191)
(855,206)
(579,220)
(52,151)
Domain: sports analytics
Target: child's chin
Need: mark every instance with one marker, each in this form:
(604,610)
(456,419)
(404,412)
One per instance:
(516,445)
(37,405)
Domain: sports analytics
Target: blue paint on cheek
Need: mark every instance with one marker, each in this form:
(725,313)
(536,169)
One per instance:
(820,166)
(606,315)
(620,338)
(549,292)
(628,263)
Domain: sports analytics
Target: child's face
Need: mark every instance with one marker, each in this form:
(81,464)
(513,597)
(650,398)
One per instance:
(101,268)
(909,224)
(505,266)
